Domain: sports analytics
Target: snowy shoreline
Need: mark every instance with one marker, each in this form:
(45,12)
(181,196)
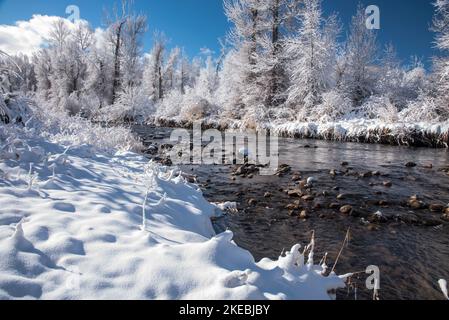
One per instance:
(78,224)
(433,135)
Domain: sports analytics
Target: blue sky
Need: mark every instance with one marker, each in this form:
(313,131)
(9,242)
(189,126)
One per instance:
(194,24)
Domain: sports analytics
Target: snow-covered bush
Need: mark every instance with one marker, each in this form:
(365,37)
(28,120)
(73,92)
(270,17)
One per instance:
(255,116)
(57,126)
(334,106)
(131,105)
(14,109)
(425,109)
(170,106)
(195,108)
(378,107)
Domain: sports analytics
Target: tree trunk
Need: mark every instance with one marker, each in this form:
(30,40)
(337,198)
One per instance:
(116,82)
(276,47)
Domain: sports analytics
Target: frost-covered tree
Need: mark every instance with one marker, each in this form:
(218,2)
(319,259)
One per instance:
(207,82)
(255,66)
(153,70)
(441,63)
(170,72)
(62,69)
(360,58)
(313,52)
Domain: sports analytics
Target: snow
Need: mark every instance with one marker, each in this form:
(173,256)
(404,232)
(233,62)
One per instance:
(359,129)
(76,223)
(443,286)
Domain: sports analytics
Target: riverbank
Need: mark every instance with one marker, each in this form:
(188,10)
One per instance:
(78,223)
(432,135)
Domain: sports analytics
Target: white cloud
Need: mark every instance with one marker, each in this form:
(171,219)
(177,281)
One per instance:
(28,36)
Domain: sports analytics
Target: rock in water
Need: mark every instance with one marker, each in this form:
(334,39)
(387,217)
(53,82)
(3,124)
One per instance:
(311,181)
(304,214)
(435,207)
(267,195)
(410,164)
(252,202)
(347,209)
(388,184)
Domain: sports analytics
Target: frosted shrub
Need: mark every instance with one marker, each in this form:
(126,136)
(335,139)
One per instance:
(195,108)
(333,107)
(14,109)
(170,106)
(255,116)
(71,104)
(426,109)
(59,127)
(131,105)
(282,114)
(379,108)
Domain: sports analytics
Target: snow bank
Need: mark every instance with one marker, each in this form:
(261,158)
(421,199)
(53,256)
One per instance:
(425,134)
(77,224)
(372,131)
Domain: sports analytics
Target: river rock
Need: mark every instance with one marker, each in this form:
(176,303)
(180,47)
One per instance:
(252,202)
(445,217)
(430,222)
(334,205)
(295,193)
(308,197)
(333,172)
(408,218)
(347,209)
(435,207)
(344,164)
(283,169)
(388,184)
(342,196)
(304,214)
(367,174)
(383,203)
(410,164)
(296,177)
(267,195)
(311,181)
(415,203)
(376,173)
(317,206)
(246,169)
(291,206)
(377,217)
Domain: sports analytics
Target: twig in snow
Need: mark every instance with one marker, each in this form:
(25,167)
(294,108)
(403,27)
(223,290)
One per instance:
(144,218)
(345,242)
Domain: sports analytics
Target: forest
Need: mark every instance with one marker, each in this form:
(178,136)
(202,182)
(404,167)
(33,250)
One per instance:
(284,65)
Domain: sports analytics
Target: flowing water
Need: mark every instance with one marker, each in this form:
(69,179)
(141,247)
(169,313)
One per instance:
(411,247)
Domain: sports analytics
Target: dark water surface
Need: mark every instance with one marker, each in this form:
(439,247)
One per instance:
(411,247)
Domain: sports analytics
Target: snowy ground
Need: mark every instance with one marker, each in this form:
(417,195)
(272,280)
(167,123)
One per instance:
(72,227)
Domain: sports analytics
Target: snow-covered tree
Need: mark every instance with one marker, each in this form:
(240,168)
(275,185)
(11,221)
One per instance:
(153,70)
(441,63)
(314,52)
(360,58)
(170,72)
